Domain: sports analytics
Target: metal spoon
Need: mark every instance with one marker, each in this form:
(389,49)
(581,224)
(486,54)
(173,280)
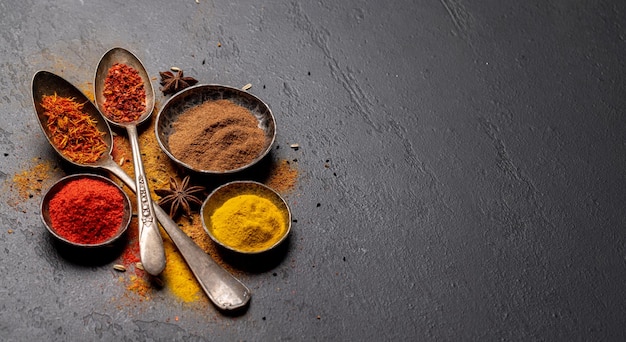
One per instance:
(150,242)
(224,290)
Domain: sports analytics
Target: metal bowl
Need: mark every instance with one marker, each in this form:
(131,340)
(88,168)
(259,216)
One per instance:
(199,94)
(45,210)
(229,190)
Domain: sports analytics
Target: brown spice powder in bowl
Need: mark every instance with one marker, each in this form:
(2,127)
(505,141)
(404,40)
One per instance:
(216,135)
(215,129)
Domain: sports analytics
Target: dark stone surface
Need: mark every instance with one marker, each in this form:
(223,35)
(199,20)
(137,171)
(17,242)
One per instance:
(461,166)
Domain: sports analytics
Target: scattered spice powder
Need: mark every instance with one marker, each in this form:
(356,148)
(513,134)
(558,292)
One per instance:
(229,132)
(195,231)
(193,228)
(72,131)
(122,152)
(124,93)
(138,281)
(130,255)
(178,277)
(282,176)
(140,286)
(30,182)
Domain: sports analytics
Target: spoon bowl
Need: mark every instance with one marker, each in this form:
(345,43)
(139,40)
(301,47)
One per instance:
(46,83)
(123,56)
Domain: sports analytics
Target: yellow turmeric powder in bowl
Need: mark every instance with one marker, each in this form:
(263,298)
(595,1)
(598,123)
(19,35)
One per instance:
(246,217)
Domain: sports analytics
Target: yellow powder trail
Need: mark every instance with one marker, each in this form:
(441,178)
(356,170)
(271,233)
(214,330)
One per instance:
(177,276)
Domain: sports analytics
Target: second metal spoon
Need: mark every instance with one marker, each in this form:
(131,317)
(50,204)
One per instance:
(151,249)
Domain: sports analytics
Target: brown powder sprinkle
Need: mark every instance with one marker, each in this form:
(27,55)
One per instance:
(217,136)
(282,176)
(196,232)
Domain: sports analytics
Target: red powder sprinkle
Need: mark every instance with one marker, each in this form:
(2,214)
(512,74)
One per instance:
(131,252)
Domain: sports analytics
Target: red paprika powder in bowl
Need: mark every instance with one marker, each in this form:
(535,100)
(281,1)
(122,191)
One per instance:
(86,210)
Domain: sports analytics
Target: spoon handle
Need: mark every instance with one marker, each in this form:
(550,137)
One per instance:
(222,288)
(151,249)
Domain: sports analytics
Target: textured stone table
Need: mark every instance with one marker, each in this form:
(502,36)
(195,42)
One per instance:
(461,167)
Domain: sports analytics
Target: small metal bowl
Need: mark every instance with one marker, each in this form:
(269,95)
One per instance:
(229,190)
(45,210)
(199,94)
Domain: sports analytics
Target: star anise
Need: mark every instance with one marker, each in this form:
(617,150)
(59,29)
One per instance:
(179,196)
(173,83)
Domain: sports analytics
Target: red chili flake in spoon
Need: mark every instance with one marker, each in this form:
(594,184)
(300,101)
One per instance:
(124,93)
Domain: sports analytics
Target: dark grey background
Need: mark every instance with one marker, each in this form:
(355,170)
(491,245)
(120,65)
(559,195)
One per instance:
(468,159)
